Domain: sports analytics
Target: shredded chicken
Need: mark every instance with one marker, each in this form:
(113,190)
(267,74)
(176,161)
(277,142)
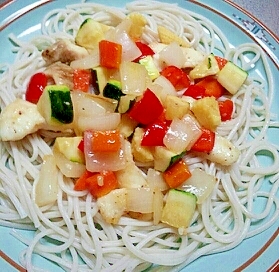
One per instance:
(61,74)
(64,51)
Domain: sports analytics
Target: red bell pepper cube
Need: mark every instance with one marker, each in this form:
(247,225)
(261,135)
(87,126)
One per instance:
(177,174)
(176,76)
(106,141)
(154,134)
(221,62)
(147,109)
(110,54)
(36,87)
(145,51)
(80,183)
(82,80)
(206,141)
(212,87)
(226,109)
(101,183)
(195,91)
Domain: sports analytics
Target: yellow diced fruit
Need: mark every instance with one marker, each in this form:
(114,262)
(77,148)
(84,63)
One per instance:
(138,24)
(206,110)
(167,36)
(175,107)
(140,153)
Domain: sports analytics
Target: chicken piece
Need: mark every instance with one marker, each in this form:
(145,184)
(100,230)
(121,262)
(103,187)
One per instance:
(61,74)
(19,119)
(64,51)
(224,152)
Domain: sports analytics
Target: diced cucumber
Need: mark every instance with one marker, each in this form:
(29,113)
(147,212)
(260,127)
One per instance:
(55,105)
(231,77)
(164,158)
(90,33)
(207,67)
(68,146)
(179,208)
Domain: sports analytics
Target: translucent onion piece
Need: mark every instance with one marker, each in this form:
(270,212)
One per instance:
(107,121)
(140,200)
(165,88)
(119,34)
(110,161)
(88,62)
(172,55)
(68,168)
(86,105)
(200,183)
(158,203)
(155,180)
(134,78)
(182,134)
(46,187)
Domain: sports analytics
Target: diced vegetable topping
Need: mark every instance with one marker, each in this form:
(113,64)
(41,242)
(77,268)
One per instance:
(147,109)
(177,174)
(125,105)
(36,87)
(110,54)
(106,141)
(176,76)
(55,105)
(82,80)
(231,77)
(179,209)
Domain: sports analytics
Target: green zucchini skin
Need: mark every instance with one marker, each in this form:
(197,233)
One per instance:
(61,106)
(56,106)
(113,90)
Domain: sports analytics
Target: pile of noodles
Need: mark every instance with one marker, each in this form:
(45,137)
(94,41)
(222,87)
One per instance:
(72,233)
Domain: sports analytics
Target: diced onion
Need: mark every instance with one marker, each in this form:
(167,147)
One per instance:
(155,180)
(200,183)
(88,62)
(158,203)
(134,78)
(140,200)
(182,134)
(172,55)
(119,35)
(46,187)
(101,161)
(107,121)
(165,88)
(68,168)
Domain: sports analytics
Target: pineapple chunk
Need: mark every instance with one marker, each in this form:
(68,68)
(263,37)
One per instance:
(137,27)
(207,67)
(206,110)
(167,36)
(175,107)
(140,153)
(131,177)
(113,205)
